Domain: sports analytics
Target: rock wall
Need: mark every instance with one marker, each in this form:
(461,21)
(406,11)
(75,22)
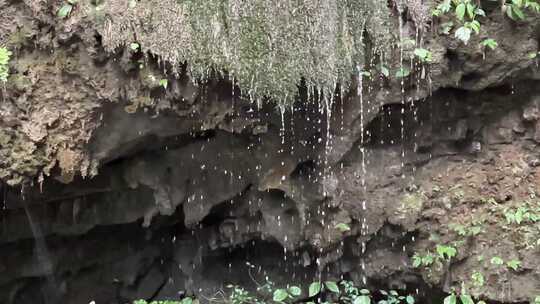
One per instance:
(117,187)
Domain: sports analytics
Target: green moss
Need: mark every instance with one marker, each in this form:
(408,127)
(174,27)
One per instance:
(266,46)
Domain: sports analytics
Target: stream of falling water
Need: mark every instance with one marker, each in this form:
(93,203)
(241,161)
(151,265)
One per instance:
(363,229)
(52,293)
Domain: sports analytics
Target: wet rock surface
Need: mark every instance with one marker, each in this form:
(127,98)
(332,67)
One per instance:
(115,188)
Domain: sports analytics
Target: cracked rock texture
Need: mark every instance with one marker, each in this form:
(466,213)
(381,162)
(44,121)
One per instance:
(117,187)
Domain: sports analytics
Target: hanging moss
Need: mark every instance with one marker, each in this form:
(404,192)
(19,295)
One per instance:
(267,46)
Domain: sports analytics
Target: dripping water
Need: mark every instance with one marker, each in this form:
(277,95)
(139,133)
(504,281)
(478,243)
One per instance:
(51,289)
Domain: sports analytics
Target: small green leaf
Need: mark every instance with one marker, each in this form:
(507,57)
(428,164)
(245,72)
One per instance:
(164,83)
(314,289)
(409,299)
(451,299)
(187,300)
(466,299)
(65,10)
(460,11)
(343,227)
(490,43)
(280,295)
(417,261)
(463,34)
(446,27)
(403,72)
(363,299)
(366,292)
(518,12)
(295,291)
(332,286)
(423,54)
(471,10)
(480,12)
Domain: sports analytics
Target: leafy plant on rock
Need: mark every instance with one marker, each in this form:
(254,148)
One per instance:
(393,297)
(514,9)
(466,12)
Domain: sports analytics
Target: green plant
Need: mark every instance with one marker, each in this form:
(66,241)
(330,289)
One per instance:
(463,230)
(425,260)
(332,286)
(350,292)
(466,12)
(464,32)
(314,289)
(65,10)
(343,227)
(513,264)
(423,55)
(240,296)
(463,298)
(514,8)
(496,261)
(489,44)
(164,83)
(5,56)
(521,214)
(363,298)
(403,72)
(186,300)
(446,252)
(393,297)
(134,46)
(280,295)
(477,279)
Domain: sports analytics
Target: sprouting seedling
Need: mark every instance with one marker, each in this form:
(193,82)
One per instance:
(489,44)
(5,56)
(513,264)
(66,9)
